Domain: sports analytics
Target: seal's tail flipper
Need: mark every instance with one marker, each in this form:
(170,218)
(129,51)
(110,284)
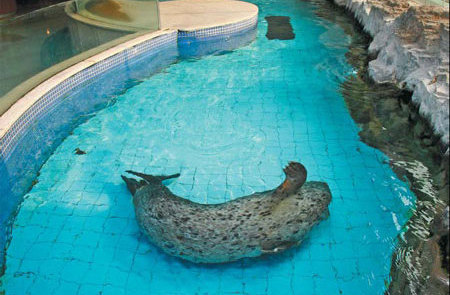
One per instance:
(151,178)
(132,184)
(165,177)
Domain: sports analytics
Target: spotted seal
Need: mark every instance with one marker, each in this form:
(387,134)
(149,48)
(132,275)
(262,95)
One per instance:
(261,223)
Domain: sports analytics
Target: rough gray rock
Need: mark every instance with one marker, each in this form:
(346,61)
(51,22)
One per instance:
(412,47)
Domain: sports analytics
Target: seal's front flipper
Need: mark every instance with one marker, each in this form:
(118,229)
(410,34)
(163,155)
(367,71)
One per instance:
(296,172)
(272,248)
(132,184)
(153,179)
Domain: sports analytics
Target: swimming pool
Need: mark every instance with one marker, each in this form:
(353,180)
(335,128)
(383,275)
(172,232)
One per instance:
(228,123)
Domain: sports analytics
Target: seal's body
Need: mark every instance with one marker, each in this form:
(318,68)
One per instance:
(266,222)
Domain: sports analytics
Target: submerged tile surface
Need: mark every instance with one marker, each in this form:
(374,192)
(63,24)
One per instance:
(227,123)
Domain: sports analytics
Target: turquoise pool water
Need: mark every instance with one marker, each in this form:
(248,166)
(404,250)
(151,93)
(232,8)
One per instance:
(228,123)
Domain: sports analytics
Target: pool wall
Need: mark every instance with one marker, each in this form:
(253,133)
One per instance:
(33,127)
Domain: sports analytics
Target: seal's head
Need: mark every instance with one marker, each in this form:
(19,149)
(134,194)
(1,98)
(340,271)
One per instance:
(133,185)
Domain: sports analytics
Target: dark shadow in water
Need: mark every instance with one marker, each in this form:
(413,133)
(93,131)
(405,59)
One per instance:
(279,27)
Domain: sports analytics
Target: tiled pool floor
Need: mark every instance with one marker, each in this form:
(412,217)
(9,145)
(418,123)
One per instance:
(227,123)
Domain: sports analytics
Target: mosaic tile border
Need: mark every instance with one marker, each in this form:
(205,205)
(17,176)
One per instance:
(219,30)
(47,102)
(54,96)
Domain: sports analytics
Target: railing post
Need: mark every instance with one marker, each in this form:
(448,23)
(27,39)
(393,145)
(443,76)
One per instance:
(159,16)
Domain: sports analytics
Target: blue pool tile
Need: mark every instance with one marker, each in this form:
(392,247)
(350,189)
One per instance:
(115,277)
(139,283)
(61,250)
(90,289)
(20,285)
(115,225)
(67,288)
(39,251)
(111,290)
(280,285)
(74,270)
(231,285)
(95,275)
(256,285)
(67,237)
(42,286)
(54,266)
(82,253)
(299,286)
(325,286)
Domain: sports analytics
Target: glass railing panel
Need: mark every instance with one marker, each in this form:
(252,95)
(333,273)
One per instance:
(34,46)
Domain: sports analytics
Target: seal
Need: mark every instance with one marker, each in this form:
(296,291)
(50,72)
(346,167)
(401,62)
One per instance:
(261,223)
